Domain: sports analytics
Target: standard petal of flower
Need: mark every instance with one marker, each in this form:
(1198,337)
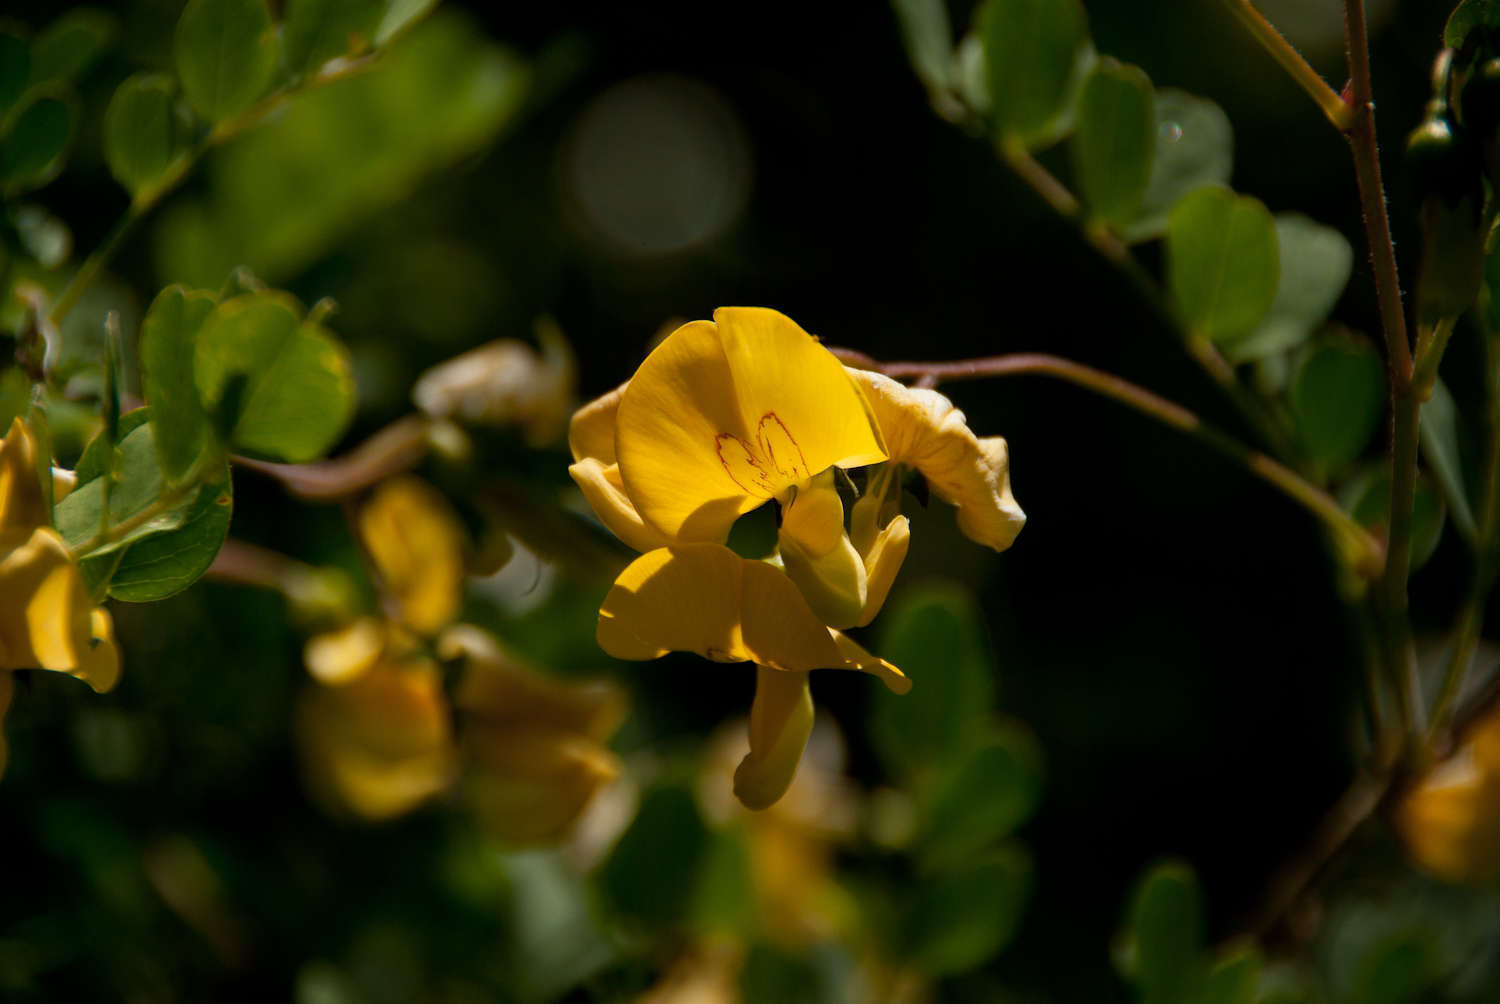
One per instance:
(781,719)
(857,657)
(704,598)
(498,688)
(591,432)
(605,493)
(417,545)
(922,429)
(685,456)
(528,786)
(22,508)
(806,414)
(882,562)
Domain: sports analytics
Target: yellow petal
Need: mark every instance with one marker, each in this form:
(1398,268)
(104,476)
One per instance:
(683,449)
(46,619)
(417,545)
(922,429)
(22,508)
(814,517)
(100,665)
(704,598)
(527,786)
(605,493)
(806,413)
(856,657)
(499,688)
(342,656)
(781,719)
(834,585)
(882,562)
(591,432)
(380,745)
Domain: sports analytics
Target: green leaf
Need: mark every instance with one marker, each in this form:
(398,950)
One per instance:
(962,918)
(1165,930)
(167,563)
(982,798)
(1403,968)
(319,30)
(287,381)
(1031,48)
(1337,397)
(167,349)
(15,70)
(226,53)
(137,486)
(1466,17)
(1115,130)
(1441,436)
(1222,263)
(1367,497)
(1233,979)
(144,133)
(69,45)
(1316,262)
(652,874)
(1193,147)
(32,152)
(928,37)
(400,16)
(935,633)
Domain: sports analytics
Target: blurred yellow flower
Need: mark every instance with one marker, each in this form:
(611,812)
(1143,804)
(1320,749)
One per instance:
(47,619)
(380,743)
(506,382)
(416,544)
(534,748)
(1450,818)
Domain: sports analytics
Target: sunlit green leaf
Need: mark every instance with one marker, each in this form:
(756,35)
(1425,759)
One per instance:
(962,918)
(1193,147)
(167,563)
(226,52)
(1441,438)
(144,133)
(137,485)
(928,38)
(982,797)
(292,390)
(1115,130)
(1467,16)
(167,349)
(666,829)
(1222,263)
(32,151)
(319,30)
(1316,262)
(936,635)
(1165,930)
(1031,48)
(67,46)
(1337,396)
(1367,497)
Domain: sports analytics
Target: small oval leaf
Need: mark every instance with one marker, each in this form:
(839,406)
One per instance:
(32,152)
(1193,147)
(1222,263)
(226,53)
(144,134)
(1337,397)
(1114,132)
(1031,48)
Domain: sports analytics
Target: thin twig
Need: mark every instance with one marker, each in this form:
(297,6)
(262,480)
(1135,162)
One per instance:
(1300,70)
(1400,649)
(398,447)
(1363,551)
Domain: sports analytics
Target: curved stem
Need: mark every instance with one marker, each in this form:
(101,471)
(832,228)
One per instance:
(395,448)
(1300,70)
(1362,551)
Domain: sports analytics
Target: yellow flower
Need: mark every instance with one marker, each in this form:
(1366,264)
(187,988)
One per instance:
(416,544)
(381,743)
(534,747)
(47,620)
(723,417)
(506,382)
(1450,819)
